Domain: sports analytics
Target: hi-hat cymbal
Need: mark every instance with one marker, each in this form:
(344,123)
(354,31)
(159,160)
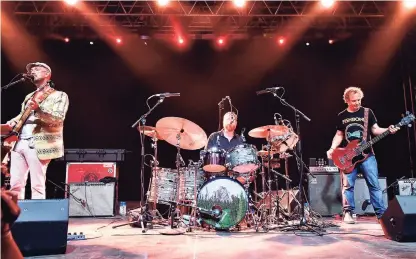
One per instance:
(265,153)
(192,136)
(268,130)
(150,132)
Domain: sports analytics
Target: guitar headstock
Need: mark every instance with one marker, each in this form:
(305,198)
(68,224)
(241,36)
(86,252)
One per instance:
(407,120)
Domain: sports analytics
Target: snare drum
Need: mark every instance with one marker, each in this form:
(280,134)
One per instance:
(213,160)
(242,158)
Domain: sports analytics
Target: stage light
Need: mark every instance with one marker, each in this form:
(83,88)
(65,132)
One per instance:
(327,3)
(66,40)
(307,44)
(180,40)
(239,3)
(281,41)
(118,40)
(330,41)
(220,41)
(409,3)
(91,43)
(163,2)
(71,2)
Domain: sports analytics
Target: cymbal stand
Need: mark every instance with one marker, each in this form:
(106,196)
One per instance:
(179,162)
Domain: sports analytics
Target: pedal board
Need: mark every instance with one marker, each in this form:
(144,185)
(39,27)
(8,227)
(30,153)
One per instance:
(75,236)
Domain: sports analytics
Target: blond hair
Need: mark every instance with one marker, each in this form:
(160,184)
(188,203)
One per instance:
(231,114)
(352,90)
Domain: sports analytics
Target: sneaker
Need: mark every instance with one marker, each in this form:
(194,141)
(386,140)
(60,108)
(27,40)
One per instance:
(348,218)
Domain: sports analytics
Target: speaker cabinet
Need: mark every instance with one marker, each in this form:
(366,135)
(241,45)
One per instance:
(42,227)
(325,193)
(92,199)
(399,220)
(362,196)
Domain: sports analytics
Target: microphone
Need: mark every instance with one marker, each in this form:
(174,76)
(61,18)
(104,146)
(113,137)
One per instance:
(218,140)
(28,76)
(268,90)
(242,134)
(275,120)
(168,94)
(222,100)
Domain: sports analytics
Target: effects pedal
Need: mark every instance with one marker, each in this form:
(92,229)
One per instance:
(76,236)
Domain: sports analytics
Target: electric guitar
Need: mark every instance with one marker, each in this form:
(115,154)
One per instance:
(346,158)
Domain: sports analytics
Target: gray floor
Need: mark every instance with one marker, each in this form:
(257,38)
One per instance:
(362,240)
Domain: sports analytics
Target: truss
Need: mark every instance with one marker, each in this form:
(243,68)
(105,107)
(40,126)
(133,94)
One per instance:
(198,17)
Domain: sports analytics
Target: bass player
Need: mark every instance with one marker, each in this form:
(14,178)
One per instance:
(39,127)
(351,126)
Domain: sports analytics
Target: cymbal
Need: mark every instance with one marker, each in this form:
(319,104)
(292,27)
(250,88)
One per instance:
(268,130)
(150,132)
(265,153)
(192,136)
(274,163)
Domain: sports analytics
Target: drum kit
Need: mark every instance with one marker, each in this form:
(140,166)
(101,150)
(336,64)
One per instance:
(217,187)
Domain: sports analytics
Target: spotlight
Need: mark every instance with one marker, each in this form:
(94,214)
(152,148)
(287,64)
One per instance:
(327,3)
(66,40)
(220,41)
(330,41)
(239,3)
(307,43)
(118,40)
(281,41)
(409,3)
(91,43)
(180,40)
(71,2)
(163,2)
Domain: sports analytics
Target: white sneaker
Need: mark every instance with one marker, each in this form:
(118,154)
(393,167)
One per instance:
(348,218)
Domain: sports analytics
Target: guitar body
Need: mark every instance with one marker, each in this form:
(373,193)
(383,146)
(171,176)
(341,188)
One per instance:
(346,158)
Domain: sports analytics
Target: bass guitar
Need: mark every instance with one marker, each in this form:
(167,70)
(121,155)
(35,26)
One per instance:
(346,158)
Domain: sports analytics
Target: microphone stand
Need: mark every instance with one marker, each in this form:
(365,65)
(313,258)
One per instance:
(142,121)
(14,83)
(300,164)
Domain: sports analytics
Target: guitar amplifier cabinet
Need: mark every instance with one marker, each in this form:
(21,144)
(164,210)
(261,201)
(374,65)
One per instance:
(325,193)
(362,196)
(93,155)
(89,172)
(91,199)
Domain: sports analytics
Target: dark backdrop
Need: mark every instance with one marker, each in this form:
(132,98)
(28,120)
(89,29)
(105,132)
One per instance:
(107,96)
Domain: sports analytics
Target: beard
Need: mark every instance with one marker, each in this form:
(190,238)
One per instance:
(230,127)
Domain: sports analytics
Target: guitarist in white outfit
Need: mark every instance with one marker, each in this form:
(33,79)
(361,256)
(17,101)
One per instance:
(351,126)
(40,137)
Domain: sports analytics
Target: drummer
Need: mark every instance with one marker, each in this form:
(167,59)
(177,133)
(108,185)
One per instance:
(226,138)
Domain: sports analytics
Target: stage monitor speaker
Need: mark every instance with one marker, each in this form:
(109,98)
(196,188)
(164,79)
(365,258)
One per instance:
(399,220)
(362,196)
(42,227)
(92,199)
(325,193)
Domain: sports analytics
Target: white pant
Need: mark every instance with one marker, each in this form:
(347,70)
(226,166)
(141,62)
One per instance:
(24,159)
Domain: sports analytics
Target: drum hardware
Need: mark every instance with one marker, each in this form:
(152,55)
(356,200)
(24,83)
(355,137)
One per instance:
(296,152)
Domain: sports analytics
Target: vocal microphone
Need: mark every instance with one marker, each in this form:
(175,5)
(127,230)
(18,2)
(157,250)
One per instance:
(268,90)
(168,95)
(28,76)
(275,119)
(222,100)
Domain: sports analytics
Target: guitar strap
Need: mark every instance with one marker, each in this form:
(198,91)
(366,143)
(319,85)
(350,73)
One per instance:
(365,124)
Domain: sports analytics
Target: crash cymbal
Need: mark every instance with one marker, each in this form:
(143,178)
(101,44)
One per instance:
(150,132)
(268,130)
(192,136)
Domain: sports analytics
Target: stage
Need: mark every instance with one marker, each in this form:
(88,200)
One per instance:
(362,240)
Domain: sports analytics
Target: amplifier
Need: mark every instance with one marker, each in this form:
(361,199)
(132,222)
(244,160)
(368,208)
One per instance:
(89,172)
(323,169)
(92,199)
(325,193)
(406,187)
(362,196)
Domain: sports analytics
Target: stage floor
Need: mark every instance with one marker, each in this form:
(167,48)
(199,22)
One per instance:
(362,240)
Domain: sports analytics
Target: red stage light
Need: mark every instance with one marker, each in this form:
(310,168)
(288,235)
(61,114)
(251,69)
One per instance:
(281,41)
(409,3)
(71,2)
(220,41)
(118,40)
(180,40)
(66,39)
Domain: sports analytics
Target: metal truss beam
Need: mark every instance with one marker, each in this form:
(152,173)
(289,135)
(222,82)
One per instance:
(199,17)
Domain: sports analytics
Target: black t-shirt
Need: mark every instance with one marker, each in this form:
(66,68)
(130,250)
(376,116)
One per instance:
(217,139)
(352,125)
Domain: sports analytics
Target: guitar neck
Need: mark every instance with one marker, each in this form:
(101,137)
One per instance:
(375,140)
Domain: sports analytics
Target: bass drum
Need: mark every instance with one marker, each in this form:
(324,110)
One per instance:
(224,197)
